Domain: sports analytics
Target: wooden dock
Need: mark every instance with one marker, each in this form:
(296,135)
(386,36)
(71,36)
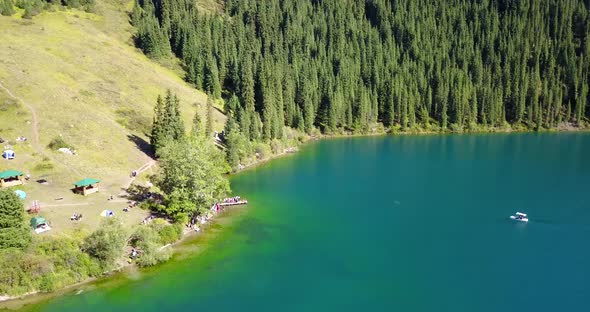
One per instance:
(241,202)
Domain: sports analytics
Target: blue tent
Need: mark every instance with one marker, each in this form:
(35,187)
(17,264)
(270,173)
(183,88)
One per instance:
(8,154)
(21,194)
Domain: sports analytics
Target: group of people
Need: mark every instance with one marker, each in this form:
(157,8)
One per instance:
(231,199)
(148,219)
(76,216)
(132,204)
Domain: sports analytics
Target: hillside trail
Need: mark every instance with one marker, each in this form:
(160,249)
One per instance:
(138,171)
(33,113)
(35,125)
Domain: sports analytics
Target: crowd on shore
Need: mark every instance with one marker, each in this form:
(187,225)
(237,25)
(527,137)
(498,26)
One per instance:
(196,221)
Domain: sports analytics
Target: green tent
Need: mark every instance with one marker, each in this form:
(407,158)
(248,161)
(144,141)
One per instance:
(37,221)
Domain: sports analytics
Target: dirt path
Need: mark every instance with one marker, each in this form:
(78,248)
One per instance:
(33,113)
(35,123)
(141,169)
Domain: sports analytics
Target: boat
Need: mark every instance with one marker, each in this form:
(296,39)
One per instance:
(519,216)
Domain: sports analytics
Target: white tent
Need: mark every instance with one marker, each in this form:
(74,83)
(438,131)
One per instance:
(106,213)
(8,154)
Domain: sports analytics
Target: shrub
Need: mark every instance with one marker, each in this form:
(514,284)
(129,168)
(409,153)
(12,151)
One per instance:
(59,142)
(146,239)
(262,150)
(43,166)
(170,233)
(106,244)
(6,7)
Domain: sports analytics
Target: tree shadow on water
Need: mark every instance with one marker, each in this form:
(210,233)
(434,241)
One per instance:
(142,145)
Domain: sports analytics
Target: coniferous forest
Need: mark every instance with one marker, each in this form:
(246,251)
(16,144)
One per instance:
(348,65)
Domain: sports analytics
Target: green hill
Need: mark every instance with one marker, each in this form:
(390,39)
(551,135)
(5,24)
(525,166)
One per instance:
(86,82)
(78,77)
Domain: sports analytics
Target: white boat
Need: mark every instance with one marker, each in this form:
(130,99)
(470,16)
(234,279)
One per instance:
(519,216)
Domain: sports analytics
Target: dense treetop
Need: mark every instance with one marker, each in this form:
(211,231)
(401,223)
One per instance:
(348,64)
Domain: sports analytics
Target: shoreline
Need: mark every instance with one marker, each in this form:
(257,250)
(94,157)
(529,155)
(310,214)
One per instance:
(189,235)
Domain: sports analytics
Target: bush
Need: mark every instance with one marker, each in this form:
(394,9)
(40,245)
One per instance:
(276,146)
(49,263)
(146,239)
(170,234)
(31,7)
(106,244)
(6,7)
(59,142)
(43,166)
(262,150)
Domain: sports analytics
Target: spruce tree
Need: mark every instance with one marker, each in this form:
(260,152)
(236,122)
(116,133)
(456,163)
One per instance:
(158,134)
(209,122)
(14,232)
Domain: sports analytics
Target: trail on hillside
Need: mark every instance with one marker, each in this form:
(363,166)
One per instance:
(139,170)
(36,144)
(33,113)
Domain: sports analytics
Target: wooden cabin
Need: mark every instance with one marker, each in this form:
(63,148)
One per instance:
(11,178)
(86,186)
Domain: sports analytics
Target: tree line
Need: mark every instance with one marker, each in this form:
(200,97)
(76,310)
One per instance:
(346,65)
(34,7)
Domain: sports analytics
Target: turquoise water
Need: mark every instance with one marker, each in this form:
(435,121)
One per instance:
(416,223)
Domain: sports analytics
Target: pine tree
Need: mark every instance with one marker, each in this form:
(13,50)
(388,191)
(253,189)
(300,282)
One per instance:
(209,122)
(158,134)
(14,232)
(197,129)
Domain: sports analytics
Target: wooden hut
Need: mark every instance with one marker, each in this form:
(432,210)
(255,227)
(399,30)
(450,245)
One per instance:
(11,178)
(86,186)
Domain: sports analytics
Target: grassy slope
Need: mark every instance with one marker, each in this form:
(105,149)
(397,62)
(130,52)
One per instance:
(77,70)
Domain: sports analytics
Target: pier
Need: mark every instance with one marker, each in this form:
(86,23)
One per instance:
(236,203)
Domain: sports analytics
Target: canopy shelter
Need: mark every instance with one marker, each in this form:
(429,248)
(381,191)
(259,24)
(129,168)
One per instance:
(11,178)
(86,186)
(8,154)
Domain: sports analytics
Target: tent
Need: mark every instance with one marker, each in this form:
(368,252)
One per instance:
(8,154)
(106,213)
(37,222)
(21,194)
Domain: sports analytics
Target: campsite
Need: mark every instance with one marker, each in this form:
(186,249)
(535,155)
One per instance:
(58,195)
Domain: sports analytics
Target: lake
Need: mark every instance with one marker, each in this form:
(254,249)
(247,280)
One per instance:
(399,223)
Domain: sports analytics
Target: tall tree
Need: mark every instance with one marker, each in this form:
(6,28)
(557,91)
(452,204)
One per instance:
(192,176)
(14,232)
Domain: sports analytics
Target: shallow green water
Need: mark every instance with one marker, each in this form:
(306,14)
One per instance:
(390,224)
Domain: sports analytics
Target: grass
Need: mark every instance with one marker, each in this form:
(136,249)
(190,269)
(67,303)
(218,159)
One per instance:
(211,6)
(90,86)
